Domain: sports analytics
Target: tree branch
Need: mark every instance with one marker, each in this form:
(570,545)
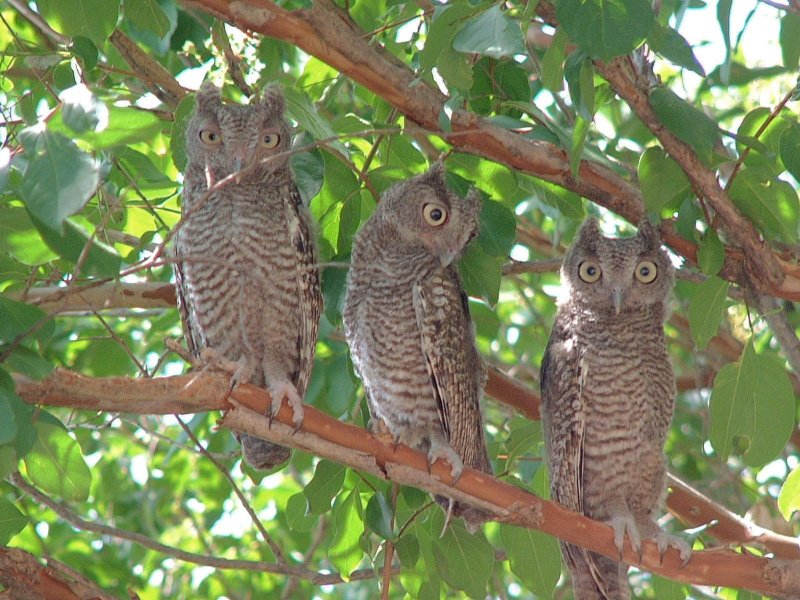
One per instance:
(355,447)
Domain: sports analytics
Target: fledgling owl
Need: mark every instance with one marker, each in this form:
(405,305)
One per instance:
(607,398)
(248,287)
(407,322)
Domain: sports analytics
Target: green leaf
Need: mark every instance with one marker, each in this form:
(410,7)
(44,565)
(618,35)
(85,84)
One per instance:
(534,558)
(553,62)
(481,274)
(710,253)
(407,548)
(491,33)
(705,309)
(667,589)
(344,551)
(296,517)
(11,521)
(9,420)
(770,203)
(567,203)
(309,171)
(465,560)
(94,19)
(456,69)
(59,181)
(84,49)
(177,135)
(498,232)
(56,464)
(81,110)
(379,516)
(326,483)
(606,28)
(487,323)
(29,363)
(100,259)
(302,110)
(790,149)
(661,178)
(790,41)
(751,409)
(147,15)
(763,149)
(126,126)
(579,73)
(525,437)
(789,496)
(673,46)
(579,133)
(20,239)
(684,120)
(444,25)
(19,317)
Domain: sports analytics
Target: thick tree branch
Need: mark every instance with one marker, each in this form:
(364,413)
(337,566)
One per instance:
(355,447)
(24,577)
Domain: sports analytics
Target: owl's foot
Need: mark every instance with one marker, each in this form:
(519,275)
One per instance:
(445,451)
(665,540)
(622,524)
(239,370)
(286,389)
(174,346)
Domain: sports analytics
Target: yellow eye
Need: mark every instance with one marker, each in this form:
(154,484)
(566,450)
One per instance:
(210,137)
(435,214)
(270,140)
(646,271)
(589,271)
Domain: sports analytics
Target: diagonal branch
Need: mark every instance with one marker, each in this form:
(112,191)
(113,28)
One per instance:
(356,447)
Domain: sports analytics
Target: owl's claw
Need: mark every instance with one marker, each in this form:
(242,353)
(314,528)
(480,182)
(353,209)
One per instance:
(445,451)
(448,516)
(623,524)
(666,541)
(285,389)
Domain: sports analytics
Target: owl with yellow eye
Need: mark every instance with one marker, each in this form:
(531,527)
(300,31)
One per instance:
(607,398)
(245,272)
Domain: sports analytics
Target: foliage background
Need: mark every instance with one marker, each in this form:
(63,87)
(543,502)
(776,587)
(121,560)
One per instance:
(93,97)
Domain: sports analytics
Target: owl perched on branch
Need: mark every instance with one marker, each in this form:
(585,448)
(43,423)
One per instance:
(607,398)
(408,325)
(248,287)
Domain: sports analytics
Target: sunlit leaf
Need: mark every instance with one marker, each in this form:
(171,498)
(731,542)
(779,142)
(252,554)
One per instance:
(94,19)
(661,178)
(379,515)
(710,253)
(769,202)
(325,484)
(344,551)
(684,120)
(789,497)
(673,46)
(534,558)
(56,464)
(465,560)
(11,521)
(705,310)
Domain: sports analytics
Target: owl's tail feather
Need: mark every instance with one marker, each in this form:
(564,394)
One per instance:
(261,454)
(594,576)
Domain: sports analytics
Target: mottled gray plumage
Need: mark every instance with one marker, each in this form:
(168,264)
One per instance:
(248,288)
(407,321)
(607,397)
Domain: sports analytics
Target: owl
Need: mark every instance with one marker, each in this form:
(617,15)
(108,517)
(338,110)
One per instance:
(607,398)
(408,324)
(248,288)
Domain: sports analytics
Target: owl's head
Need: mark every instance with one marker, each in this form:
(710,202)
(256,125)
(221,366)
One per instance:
(423,210)
(227,138)
(616,275)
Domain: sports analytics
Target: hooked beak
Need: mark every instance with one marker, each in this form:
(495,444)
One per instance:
(617,298)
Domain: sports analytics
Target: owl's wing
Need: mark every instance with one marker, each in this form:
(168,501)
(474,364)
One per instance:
(442,314)
(310,296)
(190,330)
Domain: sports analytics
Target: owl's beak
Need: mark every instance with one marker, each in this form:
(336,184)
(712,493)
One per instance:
(617,297)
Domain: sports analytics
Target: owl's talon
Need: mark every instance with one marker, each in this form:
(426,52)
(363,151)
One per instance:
(285,389)
(445,451)
(666,541)
(448,516)
(624,524)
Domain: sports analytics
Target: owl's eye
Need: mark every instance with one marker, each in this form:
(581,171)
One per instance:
(435,214)
(210,137)
(646,271)
(589,271)
(270,140)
